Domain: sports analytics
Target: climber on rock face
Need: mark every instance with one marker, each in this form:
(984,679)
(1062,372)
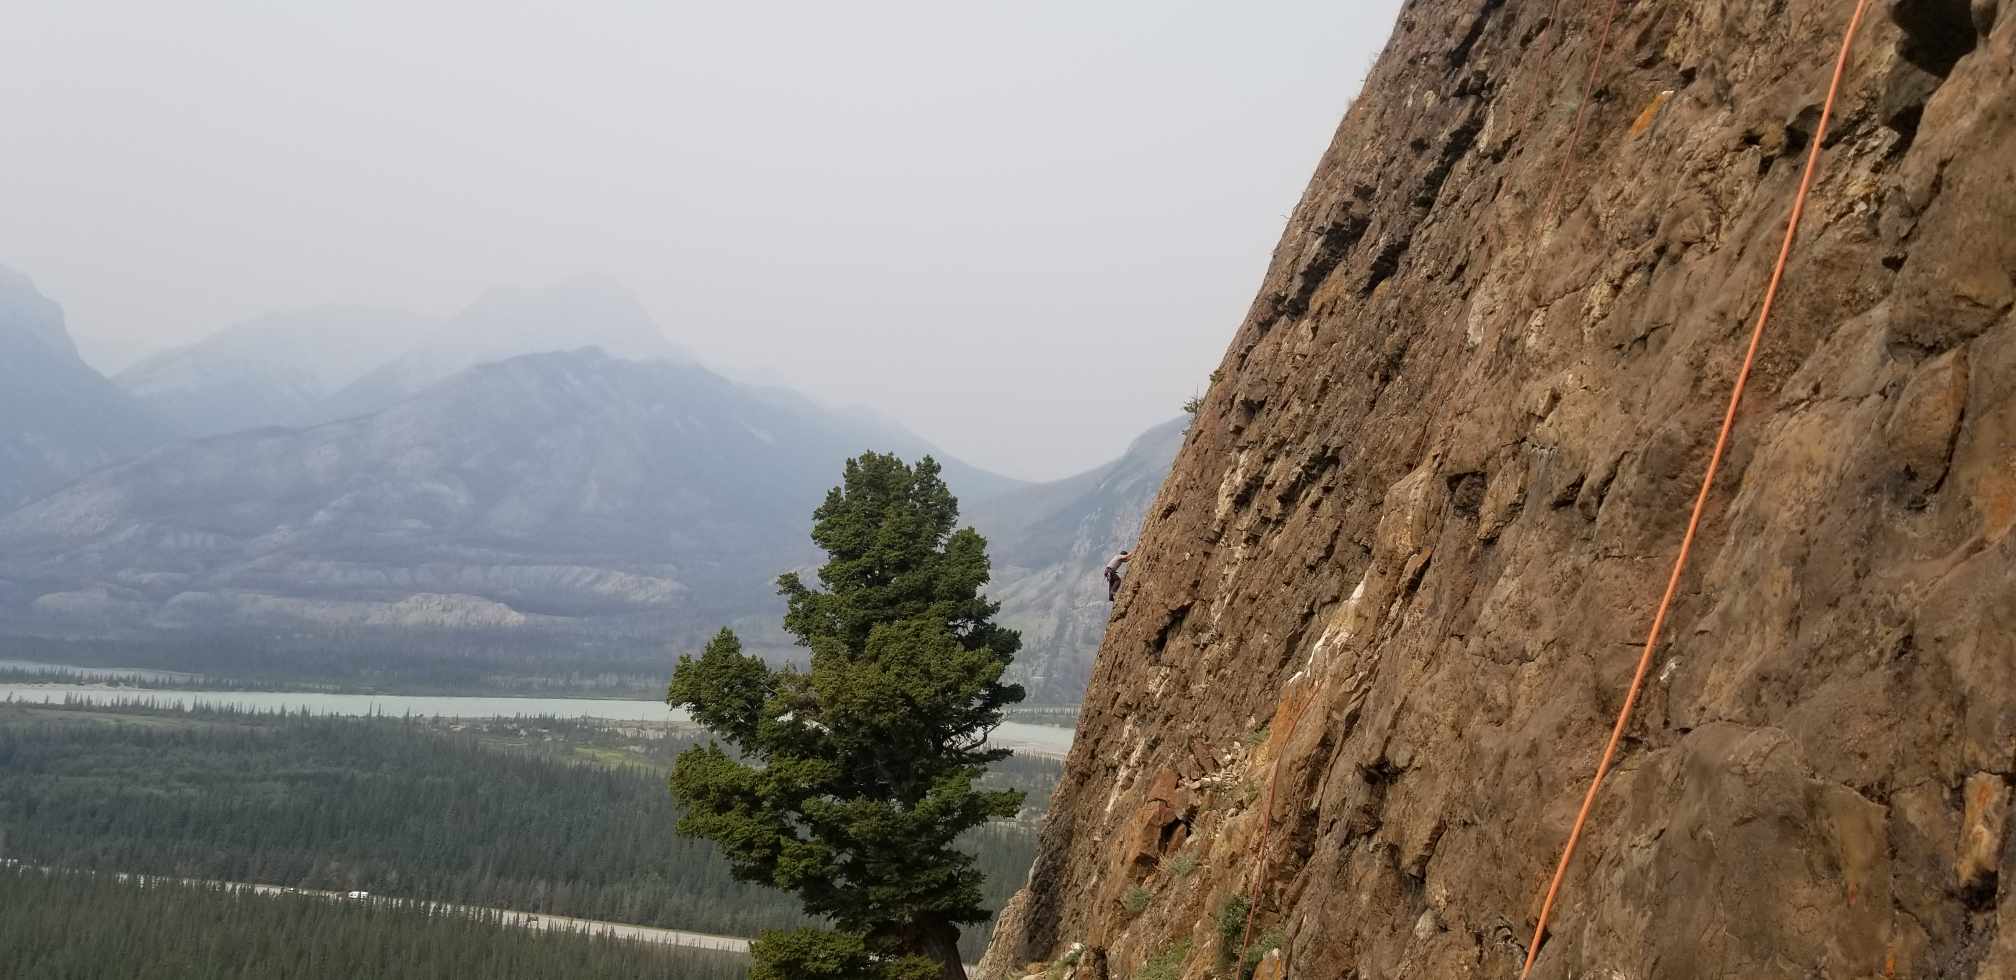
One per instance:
(1113,574)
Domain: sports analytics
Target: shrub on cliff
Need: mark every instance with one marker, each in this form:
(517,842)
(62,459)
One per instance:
(852,781)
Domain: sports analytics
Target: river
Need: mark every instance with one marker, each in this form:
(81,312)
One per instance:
(1049,741)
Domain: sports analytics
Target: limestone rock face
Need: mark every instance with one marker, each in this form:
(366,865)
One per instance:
(1396,582)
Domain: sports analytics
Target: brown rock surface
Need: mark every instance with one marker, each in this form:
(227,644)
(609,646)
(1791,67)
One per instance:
(1984,832)
(1404,561)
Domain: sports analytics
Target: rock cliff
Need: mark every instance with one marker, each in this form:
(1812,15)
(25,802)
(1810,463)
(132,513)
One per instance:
(1390,597)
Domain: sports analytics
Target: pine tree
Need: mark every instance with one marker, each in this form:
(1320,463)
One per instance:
(853,780)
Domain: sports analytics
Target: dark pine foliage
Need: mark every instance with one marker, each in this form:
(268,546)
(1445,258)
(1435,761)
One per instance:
(856,783)
(393,807)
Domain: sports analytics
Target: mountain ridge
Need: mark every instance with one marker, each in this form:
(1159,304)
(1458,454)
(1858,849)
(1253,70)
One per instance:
(575,494)
(446,511)
(273,369)
(507,322)
(62,418)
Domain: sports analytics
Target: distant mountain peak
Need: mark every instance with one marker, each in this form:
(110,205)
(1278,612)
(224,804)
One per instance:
(273,369)
(589,310)
(27,316)
(512,321)
(58,417)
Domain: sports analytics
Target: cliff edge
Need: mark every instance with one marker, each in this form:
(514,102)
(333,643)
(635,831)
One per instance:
(1389,599)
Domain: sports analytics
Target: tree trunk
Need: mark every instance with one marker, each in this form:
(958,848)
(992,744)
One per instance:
(935,939)
(940,941)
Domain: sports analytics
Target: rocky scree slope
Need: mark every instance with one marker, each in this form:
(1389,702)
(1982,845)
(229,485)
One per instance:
(1405,558)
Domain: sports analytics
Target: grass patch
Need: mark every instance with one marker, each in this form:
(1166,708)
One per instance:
(1185,863)
(1136,900)
(1232,930)
(1263,944)
(1232,916)
(1064,963)
(1167,963)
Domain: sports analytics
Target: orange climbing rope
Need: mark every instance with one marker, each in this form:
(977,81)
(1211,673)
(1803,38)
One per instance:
(1267,825)
(1700,499)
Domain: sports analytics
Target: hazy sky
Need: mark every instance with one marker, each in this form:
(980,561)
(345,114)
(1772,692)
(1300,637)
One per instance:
(1027,229)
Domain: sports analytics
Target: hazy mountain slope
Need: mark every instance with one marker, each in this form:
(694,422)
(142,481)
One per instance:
(273,370)
(569,493)
(507,322)
(1049,542)
(871,428)
(569,489)
(58,417)
(1397,583)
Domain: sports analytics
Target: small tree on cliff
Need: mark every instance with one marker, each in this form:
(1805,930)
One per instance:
(856,778)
